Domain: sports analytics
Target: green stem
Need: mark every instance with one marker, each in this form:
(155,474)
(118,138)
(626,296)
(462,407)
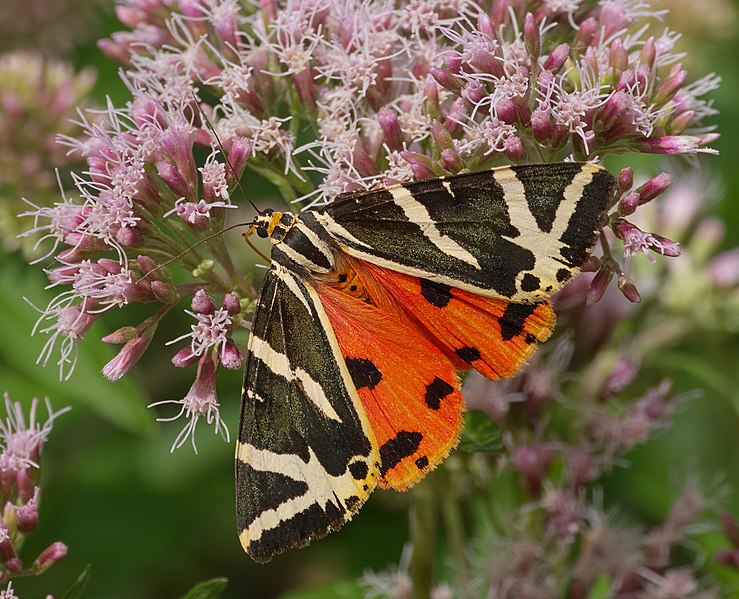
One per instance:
(423,537)
(450,507)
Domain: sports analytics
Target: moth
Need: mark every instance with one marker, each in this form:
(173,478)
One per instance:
(369,312)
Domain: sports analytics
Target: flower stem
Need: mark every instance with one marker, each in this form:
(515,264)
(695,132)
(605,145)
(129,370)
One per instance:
(450,508)
(423,537)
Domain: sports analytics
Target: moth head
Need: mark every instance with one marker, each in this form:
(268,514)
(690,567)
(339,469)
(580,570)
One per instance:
(273,224)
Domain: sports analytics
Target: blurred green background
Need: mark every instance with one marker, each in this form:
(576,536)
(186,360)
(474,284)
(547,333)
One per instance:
(153,524)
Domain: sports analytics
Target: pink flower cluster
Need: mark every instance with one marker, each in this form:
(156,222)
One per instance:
(322,97)
(20,453)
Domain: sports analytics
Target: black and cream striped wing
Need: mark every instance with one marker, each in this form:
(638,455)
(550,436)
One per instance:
(518,232)
(306,458)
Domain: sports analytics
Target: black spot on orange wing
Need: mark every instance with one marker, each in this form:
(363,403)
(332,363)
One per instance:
(363,372)
(422,462)
(402,445)
(468,354)
(513,321)
(437,390)
(436,294)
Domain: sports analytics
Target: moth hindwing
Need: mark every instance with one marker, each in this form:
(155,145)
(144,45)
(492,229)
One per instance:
(370,309)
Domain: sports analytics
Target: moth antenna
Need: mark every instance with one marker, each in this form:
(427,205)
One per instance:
(202,241)
(225,155)
(252,246)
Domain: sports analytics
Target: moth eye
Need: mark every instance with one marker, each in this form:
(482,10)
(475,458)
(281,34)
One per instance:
(261,232)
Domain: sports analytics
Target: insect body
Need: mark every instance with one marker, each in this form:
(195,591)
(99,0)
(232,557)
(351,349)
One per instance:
(371,308)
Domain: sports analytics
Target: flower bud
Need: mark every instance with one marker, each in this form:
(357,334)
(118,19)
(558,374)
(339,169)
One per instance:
(120,336)
(648,53)
(598,285)
(27,516)
(450,161)
(557,58)
(619,57)
(627,204)
(514,148)
(231,303)
(541,124)
(654,187)
(613,109)
(391,130)
(670,87)
(50,556)
(586,32)
(238,154)
(681,122)
(421,165)
(14,564)
(184,358)
(202,303)
(130,237)
(441,136)
(628,288)
(446,80)
(231,357)
(531,37)
(473,92)
(507,111)
(131,352)
(625,179)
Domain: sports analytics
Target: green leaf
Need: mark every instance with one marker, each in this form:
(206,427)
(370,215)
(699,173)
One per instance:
(480,433)
(119,402)
(602,588)
(75,591)
(208,589)
(339,590)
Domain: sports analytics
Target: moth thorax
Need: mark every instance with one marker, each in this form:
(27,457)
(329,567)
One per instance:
(274,225)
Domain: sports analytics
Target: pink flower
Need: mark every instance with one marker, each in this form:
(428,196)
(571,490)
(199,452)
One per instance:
(635,241)
(200,402)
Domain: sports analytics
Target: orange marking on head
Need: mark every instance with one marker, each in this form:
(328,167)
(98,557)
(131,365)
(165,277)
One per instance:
(273,222)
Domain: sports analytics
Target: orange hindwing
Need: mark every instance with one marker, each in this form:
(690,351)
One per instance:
(407,385)
(404,339)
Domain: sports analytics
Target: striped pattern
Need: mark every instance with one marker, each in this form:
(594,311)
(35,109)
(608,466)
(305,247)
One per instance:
(482,232)
(305,459)
(306,456)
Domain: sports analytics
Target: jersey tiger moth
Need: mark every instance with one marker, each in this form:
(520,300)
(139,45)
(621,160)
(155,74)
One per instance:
(369,311)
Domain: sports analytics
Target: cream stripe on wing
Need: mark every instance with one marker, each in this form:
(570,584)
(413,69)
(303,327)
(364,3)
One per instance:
(417,213)
(323,488)
(280,364)
(572,195)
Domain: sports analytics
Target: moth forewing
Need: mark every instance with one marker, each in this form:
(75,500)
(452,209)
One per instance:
(306,458)
(516,233)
